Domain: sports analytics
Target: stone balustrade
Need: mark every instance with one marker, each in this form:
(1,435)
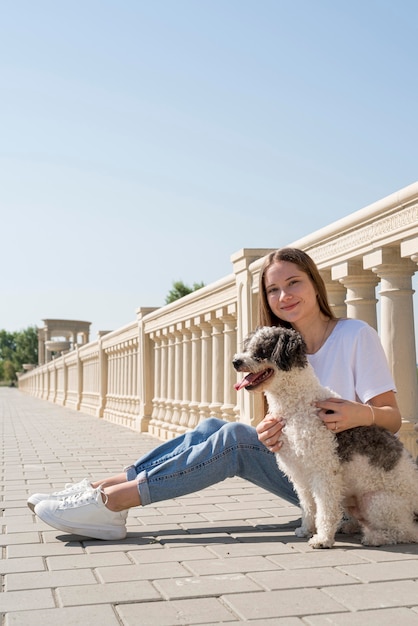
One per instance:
(171,367)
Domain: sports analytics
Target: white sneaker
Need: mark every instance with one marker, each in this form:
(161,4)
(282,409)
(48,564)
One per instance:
(84,514)
(69,490)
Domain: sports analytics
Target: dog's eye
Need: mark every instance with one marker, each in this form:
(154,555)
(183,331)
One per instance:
(261,355)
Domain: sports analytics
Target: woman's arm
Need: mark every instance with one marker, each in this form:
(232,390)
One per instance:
(381,410)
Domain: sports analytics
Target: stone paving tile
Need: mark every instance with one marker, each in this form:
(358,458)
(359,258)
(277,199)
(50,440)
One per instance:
(376,595)
(42,580)
(82,561)
(315,559)
(181,510)
(18,538)
(216,527)
(111,593)
(162,555)
(388,553)
(193,499)
(132,542)
(387,617)
(203,586)
(43,549)
(27,600)
(226,516)
(182,518)
(301,578)
(25,526)
(31,564)
(259,505)
(293,544)
(102,615)
(232,565)
(174,613)
(289,603)
(12,505)
(275,621)
(255,549)
(395,570)
(186,539)
(152,571)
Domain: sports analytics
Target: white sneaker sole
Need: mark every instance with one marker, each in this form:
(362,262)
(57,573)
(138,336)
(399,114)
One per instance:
(106,533)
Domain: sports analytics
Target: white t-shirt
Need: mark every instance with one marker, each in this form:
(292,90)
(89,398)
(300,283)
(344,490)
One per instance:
(352,362)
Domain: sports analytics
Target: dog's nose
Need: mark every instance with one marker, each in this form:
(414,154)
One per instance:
(237,363)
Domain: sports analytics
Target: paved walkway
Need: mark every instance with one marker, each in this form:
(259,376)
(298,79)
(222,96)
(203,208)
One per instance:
(225,555)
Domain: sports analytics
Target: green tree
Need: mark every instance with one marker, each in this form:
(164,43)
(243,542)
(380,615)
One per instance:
(9,371)
(16,349)
(180,290)
(26,342)
(7,345)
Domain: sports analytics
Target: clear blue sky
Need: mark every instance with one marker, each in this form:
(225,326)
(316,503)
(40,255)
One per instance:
(144,142)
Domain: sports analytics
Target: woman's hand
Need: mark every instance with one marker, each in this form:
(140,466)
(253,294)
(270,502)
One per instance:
(339,415)
(382,410)
(269,431)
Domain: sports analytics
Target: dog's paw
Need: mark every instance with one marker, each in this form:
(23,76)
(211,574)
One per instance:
(302,532)
(318,542)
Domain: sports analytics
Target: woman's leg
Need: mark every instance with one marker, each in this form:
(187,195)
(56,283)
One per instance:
(164,452)
(213,451)
(110,481)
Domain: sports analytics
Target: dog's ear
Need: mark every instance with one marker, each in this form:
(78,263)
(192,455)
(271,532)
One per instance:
(289,351)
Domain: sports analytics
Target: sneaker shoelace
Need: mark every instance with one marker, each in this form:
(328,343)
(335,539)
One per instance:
(74,487)
(83,497)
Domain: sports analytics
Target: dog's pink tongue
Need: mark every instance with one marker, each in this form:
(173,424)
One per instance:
(245,381)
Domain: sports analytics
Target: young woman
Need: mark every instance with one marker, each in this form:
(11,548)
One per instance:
(346,355)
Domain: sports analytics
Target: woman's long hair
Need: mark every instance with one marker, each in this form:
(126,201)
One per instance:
(304,262)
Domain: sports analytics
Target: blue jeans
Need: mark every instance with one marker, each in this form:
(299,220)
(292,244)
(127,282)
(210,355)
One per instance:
(213,451)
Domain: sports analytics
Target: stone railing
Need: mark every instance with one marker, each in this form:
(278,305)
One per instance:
(172,367)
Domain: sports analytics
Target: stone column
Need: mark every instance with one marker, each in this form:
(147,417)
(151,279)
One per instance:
(218,364)
(196,384)
(336,294)
(187,366)
(361,290)
(169,396)
(102,378)
(80,376)
(41,346)
(409,248)
(163,376)
(177,376)
(155,393)
(397,327)
(228,408)
(206,368)
(47,337)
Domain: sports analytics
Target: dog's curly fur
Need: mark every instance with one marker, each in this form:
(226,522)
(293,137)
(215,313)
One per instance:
(364,472)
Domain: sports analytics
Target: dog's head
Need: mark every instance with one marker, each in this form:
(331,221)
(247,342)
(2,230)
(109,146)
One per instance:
(266,351)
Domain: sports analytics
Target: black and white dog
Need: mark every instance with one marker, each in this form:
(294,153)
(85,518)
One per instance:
(364,471)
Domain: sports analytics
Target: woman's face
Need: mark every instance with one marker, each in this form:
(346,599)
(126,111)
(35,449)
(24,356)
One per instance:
(290,293)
